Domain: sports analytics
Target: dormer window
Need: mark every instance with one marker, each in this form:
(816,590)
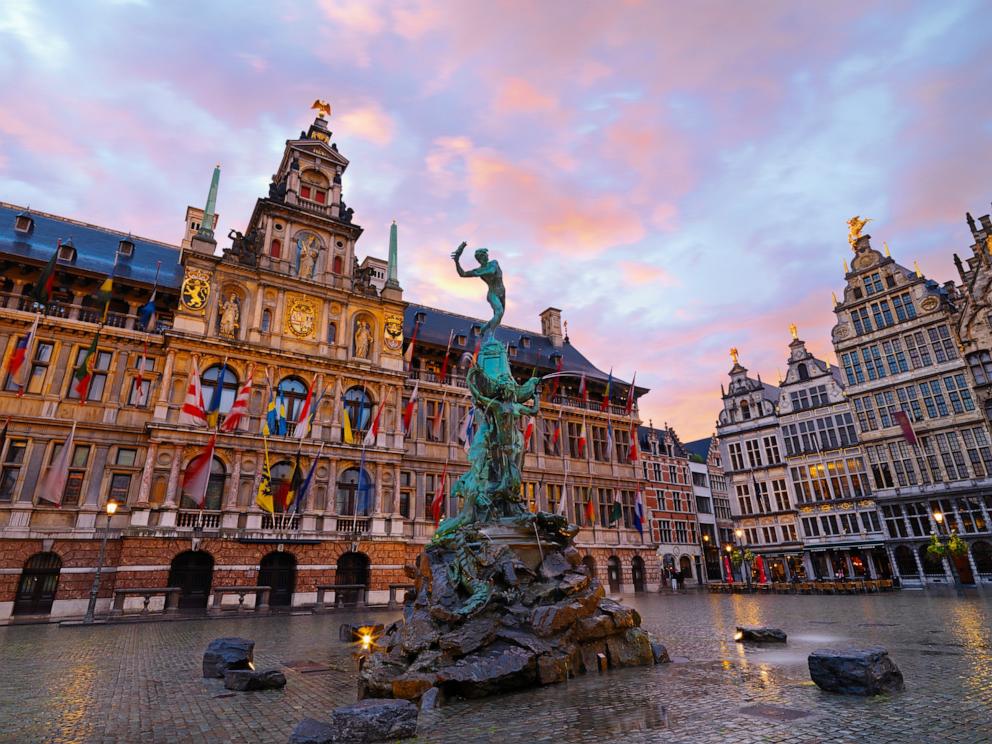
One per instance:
(67,252)
(461,339)
(125,248)
(23,223)
(420,317)
(513,350)
(525,342)
(476,330)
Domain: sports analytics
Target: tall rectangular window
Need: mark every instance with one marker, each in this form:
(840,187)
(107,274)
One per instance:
(781,493)
(736,456)
(10,468)
(39,368)
(881,313)
(873,362)
(100,366)
(943,345)
(77,473)
(753,453)
(772,455)
(903,305)
(862,323)
(873,284)
(919,352)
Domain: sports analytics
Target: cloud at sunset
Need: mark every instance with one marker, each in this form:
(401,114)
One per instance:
(675,177)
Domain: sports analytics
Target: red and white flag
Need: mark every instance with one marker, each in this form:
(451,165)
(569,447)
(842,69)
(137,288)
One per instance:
(582,439)
(584,390)
(239,409)
(373,431)
(411,406)
(192,412)
(53,485)
(447,353)
(19,364)
(408,354)
(439,496)
(529,430)
(303,421)
(630,395)
(632,453)
(197,475)
(908,433)
(438,418)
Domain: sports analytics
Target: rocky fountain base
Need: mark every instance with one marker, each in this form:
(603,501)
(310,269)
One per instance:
(503,606)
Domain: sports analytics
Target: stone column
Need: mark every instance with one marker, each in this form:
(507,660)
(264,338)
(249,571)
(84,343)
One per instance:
(146,475)
(118,379)
(32,475)
(58,374)
(97,471)
(330,497)
(396,489)
(162,405)
(231,497)
(171,493)
(919,564)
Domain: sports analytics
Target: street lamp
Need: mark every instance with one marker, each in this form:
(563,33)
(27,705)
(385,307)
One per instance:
(938,517)
(747,573)
(95,589)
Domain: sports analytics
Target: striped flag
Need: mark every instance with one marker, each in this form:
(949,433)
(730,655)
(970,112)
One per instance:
(347,434)
(447,352)
(192,413)
(617,511)
(590,509)
(556,435)
(554,381)
(606,393)
(438,418)
(465,430)
(197,475)
(53,485)
(103,295)
(582,439)
(584,390)
(411,406)
(239,409)
(630,395)
(439,496)
(139,379)
(408,354)
(609,440)
(373,431)
(304,489)
(270,424)
(281,424)
(529,430)
(19,364)
(213,410)
(147,315)
(639,512)
(632,454)
(84,372)
(42,293)
(306,415)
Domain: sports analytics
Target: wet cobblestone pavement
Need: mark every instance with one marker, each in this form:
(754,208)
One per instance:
(142,683)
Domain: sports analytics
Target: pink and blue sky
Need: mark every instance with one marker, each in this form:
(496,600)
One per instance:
(676,177)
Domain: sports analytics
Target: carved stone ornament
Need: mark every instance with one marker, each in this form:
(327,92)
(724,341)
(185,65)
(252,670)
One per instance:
(930,304)
(195,291)
(392,332)
(865,260)
(301,315)
(842,331)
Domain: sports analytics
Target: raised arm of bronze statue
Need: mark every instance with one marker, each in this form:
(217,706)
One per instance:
(492,275)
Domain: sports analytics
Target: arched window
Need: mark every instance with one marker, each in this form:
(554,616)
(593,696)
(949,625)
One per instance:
(278,571)
(294,392)
(354,498)
(803,372)
(637,573)
(275,248)
(38,584)
(192,571)
(905,562)
(352,570)
(338,265)
(215,487)
(332,332)
(281,476)
(590,563)
(613,573)
(745,410)
(266,321)
(932,566)
(359,407)
(229,386)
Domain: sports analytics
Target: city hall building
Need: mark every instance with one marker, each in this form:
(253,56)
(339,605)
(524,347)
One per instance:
(288,317)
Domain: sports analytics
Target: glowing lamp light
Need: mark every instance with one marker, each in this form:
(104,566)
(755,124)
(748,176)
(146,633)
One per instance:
(738,635)
(366,637)
(739,533)
(938,517)
(727,548)
(111,508)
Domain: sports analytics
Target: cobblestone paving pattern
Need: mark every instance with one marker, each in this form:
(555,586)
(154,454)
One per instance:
(142,683)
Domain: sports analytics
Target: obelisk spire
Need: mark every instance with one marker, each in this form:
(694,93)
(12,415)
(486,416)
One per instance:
(392,276)
(209,212)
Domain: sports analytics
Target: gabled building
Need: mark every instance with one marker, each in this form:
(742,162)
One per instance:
(761,497)
(709,487)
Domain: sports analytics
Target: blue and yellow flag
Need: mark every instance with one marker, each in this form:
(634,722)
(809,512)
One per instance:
(349,436)
(213,410)
(270,424)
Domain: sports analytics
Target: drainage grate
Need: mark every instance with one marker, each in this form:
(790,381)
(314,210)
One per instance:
(774,712)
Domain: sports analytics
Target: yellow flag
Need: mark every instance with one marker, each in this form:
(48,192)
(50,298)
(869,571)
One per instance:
(264,497)
(349,437)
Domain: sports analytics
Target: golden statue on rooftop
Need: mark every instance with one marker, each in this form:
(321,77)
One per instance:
(854,227)
(323,108)
(733,353)
(794,331)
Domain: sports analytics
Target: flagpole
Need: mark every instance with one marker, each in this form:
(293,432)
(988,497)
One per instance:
(29,353)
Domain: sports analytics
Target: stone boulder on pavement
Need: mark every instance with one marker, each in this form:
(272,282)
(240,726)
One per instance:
(227,653)
(855,671)
(244,680)
(752,634)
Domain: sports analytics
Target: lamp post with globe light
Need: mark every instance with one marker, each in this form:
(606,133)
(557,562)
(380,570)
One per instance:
(945,547)
(95,589)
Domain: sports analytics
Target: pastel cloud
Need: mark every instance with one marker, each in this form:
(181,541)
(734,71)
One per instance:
(675,177)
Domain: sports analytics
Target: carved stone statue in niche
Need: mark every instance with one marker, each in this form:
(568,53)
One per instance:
(363,339)
(308,257)
(230,316)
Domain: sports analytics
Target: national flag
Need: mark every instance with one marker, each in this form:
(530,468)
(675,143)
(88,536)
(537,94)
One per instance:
(630,395)
(197,475)
(213,410)
(555,380)
(19,366)
(439,496)
(306,415)
(562,502)
(287,489)
(192,413)
(529,430)
(103,295)
(584,390)
(408,354)
(590,511)
(478,347)
(465,429)
(139,380)
(84,372)
(362,506)
(264,496)
(347,434)
(447,354)
(281,424)
(411,406)
(616,512)
(270,424)
(906,425)
(147,315)
(727,572)
(239,409)
(632,453)
(373,431)
(582,439)
(304,489)
(606,393)
(438,418)
(42,293)
(609,440)
(53,485)
(639,512)
(556,436)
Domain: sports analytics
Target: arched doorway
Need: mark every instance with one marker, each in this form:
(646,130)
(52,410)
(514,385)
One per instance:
(933,567)
(685,567)
(905,563)
(613,573)
(590,563)
(637,573)
(353,568)
(278,570)
(193,572)
(38,584)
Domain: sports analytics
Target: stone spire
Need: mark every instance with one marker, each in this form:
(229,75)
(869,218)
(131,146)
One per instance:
(392,279)
(206,230)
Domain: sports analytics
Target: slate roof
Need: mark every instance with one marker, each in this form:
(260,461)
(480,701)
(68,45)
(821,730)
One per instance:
(643,432)
(95,247)
(699,447)
(437,324)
